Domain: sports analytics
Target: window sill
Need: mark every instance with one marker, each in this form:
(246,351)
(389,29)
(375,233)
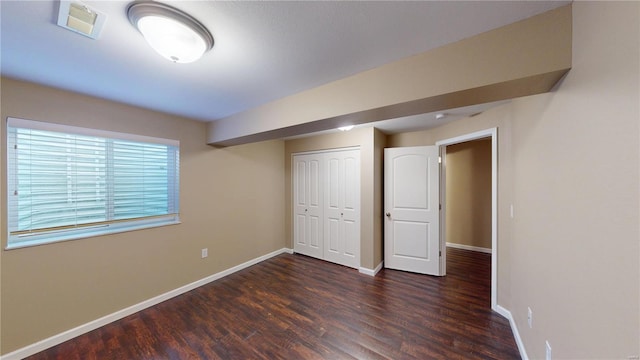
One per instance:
(49,238)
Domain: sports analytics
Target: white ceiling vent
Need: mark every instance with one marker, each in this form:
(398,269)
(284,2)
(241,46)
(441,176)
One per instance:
(81,19)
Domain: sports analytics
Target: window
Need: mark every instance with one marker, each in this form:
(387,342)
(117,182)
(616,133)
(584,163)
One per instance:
(67,182)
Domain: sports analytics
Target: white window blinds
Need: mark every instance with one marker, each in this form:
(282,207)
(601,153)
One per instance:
(67,182)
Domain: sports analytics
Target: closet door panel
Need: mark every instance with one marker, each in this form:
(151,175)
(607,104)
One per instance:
(333,237)
(342,203)
(314,183)
(315,240)
(352,240)
(350,208)
(308,207)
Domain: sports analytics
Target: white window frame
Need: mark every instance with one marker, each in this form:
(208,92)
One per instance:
(17,239)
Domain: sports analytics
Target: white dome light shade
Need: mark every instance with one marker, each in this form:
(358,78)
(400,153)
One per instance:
(170,32)
(171,39)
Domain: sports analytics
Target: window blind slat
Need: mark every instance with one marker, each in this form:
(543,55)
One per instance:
(65,179)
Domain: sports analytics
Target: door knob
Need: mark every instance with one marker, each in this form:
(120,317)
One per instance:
(388,215)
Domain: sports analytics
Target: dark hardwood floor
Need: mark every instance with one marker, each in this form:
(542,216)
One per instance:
(296,307)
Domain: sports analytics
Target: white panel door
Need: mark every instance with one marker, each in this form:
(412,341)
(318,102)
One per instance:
(411,196)
(307,201)
(342,207)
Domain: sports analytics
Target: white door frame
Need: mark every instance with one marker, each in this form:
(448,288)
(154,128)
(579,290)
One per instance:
(442,144)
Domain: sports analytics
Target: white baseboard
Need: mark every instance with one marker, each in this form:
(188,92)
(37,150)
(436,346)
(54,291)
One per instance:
(469,247)
(92,325)
(514,328)
(371,272)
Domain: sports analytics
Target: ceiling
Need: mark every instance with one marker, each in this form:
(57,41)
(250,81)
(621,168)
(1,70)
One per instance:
(264,50)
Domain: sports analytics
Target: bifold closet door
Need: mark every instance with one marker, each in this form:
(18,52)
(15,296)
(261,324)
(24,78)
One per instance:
(326,206)
(307,205)
(342,207)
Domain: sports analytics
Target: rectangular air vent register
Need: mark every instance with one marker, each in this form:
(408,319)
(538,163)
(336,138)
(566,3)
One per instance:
(81,19)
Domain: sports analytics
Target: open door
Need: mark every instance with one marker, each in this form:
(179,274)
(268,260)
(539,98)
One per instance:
(411,197)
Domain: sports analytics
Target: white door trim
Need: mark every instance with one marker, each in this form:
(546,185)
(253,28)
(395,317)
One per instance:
(321,151)
(442,144)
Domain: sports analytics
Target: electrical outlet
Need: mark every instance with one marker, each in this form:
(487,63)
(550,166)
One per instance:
(205,252)
(548,352)
(529,317)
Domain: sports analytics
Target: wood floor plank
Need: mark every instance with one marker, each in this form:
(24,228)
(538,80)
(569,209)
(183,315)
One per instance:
(296,307)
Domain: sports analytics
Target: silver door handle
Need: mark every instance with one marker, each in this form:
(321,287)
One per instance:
(388,215)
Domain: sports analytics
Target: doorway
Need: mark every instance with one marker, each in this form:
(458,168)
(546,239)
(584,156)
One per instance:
(492,136)
(468,195)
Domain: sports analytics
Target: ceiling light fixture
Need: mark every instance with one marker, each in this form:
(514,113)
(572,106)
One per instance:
(172,33)
(345,128)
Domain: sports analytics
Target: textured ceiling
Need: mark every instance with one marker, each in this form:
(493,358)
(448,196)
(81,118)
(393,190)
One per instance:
(263,50)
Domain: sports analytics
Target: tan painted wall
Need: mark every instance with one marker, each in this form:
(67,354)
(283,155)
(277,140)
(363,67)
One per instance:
(523,58)
(370,142)
(52,288)
(468,194)
(575,233)
(380,142)
(569,162)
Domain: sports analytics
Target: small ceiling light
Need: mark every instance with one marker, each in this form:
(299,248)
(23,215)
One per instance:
(345,128)
(172,33)
(440,116)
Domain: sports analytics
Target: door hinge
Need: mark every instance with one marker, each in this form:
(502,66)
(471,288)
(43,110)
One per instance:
(439,159)
(439,206)
(440,253)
